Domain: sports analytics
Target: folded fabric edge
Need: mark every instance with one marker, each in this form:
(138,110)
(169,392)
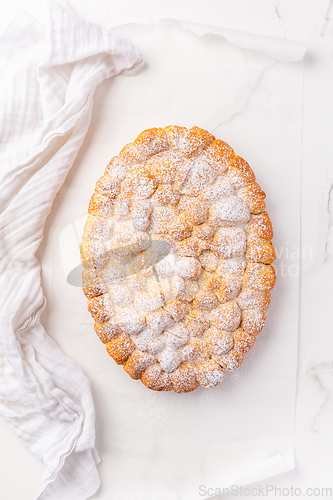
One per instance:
(135,68)
(89,482)
(20,19)
(79,477)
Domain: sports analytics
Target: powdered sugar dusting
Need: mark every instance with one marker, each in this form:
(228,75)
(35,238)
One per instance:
(193,314)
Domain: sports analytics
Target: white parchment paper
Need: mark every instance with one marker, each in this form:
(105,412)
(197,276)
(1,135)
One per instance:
(175,446)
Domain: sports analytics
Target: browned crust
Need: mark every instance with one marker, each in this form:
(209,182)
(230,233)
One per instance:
(226,314)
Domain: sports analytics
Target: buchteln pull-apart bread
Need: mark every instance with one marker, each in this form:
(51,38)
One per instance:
(177,259)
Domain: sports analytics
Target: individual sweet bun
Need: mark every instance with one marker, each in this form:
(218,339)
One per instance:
(184,318)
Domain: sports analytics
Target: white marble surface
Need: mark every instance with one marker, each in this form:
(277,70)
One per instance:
(255,103)
(20,473)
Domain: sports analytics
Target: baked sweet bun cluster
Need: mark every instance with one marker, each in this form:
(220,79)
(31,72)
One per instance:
(187,319)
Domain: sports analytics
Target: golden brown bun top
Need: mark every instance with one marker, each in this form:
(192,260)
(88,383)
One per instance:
(189,318)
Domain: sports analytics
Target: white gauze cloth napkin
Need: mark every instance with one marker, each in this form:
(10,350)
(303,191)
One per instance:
(48,78)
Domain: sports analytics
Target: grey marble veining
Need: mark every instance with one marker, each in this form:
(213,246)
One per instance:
(243,98)
(327,18)
(322,376)
(299,19)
